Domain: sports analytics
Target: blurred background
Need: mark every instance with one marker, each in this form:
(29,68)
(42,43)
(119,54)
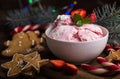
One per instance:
(62,6)
(86,4)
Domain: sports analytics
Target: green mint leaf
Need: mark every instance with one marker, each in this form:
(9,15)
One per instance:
(76,18)
(83,21)
(79,20)
(79,23)
(86,20)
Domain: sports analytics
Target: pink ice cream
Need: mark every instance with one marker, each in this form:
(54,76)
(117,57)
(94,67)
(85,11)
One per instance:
(65,33)
(89,32)
(65,30)
(63,20)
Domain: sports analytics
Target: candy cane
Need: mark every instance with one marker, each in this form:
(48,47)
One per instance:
(108,65)
(117,48)
(96,70)
(109,47)
(27,28)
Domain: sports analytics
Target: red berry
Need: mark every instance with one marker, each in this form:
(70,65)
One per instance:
(93,17)
(57,63)
(81,12)
(71,69)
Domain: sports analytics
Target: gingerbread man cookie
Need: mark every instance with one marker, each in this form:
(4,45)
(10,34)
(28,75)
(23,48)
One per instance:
(22,43)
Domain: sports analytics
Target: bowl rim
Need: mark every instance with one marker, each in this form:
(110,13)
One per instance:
(50,26)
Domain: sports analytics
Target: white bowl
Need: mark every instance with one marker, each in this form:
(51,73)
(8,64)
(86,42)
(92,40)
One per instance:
(77,52)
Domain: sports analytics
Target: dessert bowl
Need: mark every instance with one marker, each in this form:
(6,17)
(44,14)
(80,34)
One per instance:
(77,52)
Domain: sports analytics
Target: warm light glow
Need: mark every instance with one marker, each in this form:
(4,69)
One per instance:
(75,2)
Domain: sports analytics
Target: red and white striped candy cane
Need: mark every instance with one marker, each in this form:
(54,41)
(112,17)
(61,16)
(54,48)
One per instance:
(109,47)
(27,28)
(108,65)
(117,48)
(96,70)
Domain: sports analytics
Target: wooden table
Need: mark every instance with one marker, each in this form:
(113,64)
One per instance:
(47,72)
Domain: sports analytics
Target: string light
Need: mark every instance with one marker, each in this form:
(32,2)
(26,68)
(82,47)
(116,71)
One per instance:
(75,2)
(26,8)
(30,1)
(53,11)
(71,7)
(68,11)
(33,1)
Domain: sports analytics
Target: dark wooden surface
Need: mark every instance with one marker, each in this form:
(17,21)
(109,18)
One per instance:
(47,72)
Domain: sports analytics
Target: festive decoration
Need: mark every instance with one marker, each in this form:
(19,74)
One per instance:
(108,65)
(109,48)
(96,70)
(32,16)
(54,10)
(108,68)
(33,1)
(109,17)
(71,7)
(30,1)
(28,28)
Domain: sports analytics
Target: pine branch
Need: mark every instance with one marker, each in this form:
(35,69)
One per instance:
(107,14)
(114,35)
(32,16)
(109,17)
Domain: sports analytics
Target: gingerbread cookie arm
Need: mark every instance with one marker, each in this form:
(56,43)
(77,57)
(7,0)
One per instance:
(35,41)
(7,52)
(34,38)
(7,43)
(20,43)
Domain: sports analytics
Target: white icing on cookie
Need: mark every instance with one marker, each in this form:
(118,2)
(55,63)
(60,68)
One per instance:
(20,36)
(8,43)
(28,50)
(33,42)
(7,51)
(20,63)
(20,43)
